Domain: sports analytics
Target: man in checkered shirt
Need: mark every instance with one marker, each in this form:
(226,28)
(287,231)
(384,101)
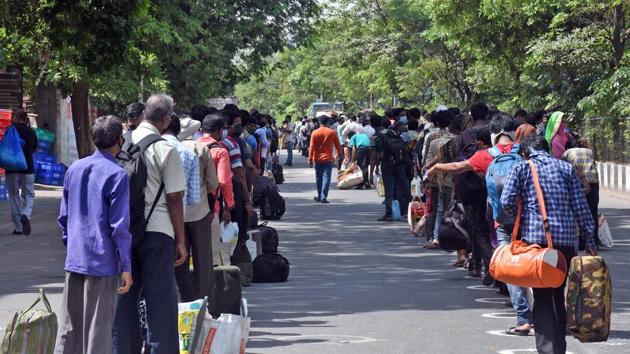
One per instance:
(566,206)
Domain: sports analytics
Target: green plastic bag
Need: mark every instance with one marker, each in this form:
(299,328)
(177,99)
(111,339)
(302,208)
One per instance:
(32,331)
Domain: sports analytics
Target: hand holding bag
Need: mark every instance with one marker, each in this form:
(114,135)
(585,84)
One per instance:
(529,265)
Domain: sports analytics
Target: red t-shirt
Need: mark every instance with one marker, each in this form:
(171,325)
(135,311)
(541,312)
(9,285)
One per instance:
(482,159)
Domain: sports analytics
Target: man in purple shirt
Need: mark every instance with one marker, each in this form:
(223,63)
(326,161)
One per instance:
(94,218)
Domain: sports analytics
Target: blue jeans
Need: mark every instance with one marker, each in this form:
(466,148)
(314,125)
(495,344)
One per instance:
(152,264)
(518,295)
(289,145)
(397,187)
(323,172)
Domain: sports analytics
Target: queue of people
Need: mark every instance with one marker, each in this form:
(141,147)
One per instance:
(154,193)
(479,161)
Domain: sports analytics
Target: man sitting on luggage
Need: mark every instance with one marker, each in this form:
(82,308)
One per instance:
(566,205)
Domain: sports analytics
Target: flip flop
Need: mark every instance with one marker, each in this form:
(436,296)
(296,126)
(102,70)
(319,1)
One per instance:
(517,332)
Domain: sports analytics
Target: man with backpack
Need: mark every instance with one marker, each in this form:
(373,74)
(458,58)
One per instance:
(221,200)
(495,163)
(471,190)
(158,184)
(321,154)
(394,159)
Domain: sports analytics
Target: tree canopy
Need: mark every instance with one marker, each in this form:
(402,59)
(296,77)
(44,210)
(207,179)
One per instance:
(528,54)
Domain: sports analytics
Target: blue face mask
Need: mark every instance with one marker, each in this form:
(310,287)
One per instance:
(402,120)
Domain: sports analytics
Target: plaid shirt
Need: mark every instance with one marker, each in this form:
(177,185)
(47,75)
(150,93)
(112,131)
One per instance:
(190,166)
(584,163)
(564,199)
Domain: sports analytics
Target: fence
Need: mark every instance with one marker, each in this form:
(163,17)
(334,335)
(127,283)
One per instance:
(609,138)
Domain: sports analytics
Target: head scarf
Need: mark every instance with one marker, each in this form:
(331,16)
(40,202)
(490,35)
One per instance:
(555,135)
(523,131)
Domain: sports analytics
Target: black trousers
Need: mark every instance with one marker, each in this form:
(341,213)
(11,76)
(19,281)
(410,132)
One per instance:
(363,160)
(479,234)
(550,315)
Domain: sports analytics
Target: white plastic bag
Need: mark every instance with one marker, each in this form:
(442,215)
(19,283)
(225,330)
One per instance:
(416,187)
(604,234)
(227,335)
(229,236)
(251,247)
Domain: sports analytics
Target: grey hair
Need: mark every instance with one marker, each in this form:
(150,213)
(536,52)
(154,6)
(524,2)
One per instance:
(106,132)
(157,107)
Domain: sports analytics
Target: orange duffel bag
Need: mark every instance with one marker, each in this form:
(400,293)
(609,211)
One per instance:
(529,265)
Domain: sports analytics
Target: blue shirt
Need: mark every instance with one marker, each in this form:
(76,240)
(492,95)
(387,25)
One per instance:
(360,140)
(190,167)
(94,217)
(564,200)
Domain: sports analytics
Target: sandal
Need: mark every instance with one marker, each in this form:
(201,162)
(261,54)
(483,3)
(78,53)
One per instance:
(459,263)
(432,245)
(514,331)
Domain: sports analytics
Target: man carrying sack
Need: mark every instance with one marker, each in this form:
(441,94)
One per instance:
(551,206)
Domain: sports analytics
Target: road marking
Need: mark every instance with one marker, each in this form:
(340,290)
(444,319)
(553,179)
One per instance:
(502,333)
(492,300)
(480,287)
(501,315)
(330,339)
(516,351)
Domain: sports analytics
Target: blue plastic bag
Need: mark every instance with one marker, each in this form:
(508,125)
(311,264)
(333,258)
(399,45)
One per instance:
(11,153)
(396,210)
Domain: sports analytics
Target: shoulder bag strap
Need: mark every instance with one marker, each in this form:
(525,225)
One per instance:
(144,145)
(541,203)
(517,222)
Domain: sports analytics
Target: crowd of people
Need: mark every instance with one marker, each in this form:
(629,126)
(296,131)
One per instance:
(159,185)
(474,159)
(155,192)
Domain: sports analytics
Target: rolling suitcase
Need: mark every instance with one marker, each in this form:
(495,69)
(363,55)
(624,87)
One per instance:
(589,299)
(228,290)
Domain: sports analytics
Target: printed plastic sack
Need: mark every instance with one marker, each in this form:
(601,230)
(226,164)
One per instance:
(380,186)
(415,211)
(604,234)
(227,335)
(11,153)
(188,322)
(32,331)
(350,178)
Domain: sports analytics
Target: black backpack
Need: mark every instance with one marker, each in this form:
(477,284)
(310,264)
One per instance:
(272,205)
(277,171)
(271,268)
(469,186)
(132,161)
(269,238)
(394,149)
(454,228)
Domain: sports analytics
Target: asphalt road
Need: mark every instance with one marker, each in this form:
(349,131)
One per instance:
(356,285)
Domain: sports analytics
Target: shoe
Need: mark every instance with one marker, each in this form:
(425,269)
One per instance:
(18,232)
(513,331)
(386,218)
(475,273)
(325,201)
(26,225)
(487,279)
(317,199)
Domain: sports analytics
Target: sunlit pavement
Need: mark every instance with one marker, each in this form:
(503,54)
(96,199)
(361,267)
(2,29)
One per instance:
(356,285)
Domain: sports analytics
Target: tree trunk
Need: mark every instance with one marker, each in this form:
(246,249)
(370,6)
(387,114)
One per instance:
(618,37)
(81,119)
